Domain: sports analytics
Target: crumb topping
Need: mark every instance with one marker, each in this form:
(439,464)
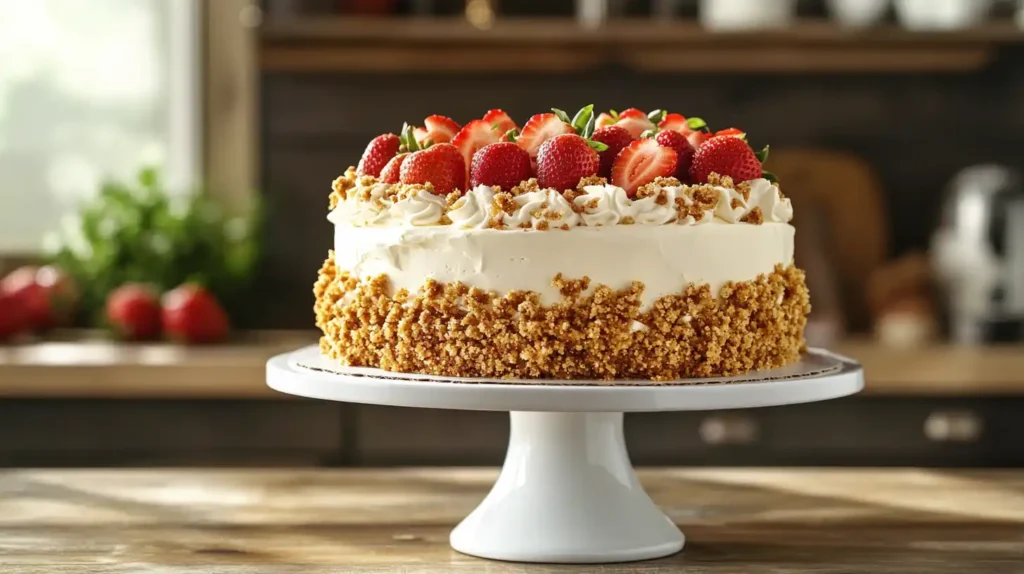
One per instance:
(458,330)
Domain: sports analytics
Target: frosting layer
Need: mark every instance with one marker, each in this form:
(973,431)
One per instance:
(665,258)
(662,202)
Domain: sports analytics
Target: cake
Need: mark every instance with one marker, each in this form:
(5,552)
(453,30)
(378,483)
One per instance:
(609,247)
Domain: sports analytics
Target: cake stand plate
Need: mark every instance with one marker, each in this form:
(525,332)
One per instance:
(567,492)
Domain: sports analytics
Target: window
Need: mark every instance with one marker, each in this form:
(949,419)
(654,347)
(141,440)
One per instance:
(91,90)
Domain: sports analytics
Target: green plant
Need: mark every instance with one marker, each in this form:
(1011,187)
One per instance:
(139,232)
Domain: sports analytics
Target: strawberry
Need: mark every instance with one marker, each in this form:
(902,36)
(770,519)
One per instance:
(698,138)
(635,122)
(21,284)
(499,121)
(420,135)
(565,159)
(674,122)
(440,165)
(133,312)
(541,128)
(392,171)
(604,120)
(684,151)
(731,132)
(642,162)
(191,314)
(13,316)
(439,129)
(725,155)
(632,113)
(378,153)
(616,138)
(473,136)
(503,164)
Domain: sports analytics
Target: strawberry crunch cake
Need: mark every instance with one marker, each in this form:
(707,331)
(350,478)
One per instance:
(613,246)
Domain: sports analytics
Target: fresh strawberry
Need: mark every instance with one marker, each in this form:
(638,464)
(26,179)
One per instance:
(191,314)
(503,164)
(674,122)
(642,162)
(22,285)
(731,132)
(441,165)
(133,312)
(632,113)
(604,120)
(635,122)
(565,159)
(439,129)
(684,151)
(499,121)
(616,138)
(378,153)
(420,135)
(725,155)
(698,138)
(473,136)
(539,129)
(392,172)
(13,316)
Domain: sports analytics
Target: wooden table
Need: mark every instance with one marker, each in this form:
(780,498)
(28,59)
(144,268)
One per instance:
(752,521)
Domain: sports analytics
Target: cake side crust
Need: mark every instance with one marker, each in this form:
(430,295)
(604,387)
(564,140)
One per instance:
(593,332)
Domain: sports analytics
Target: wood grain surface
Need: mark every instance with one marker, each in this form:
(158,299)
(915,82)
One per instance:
(754,521)
(99,368)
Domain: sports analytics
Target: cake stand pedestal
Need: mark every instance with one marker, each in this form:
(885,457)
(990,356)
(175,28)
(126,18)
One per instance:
(567,492)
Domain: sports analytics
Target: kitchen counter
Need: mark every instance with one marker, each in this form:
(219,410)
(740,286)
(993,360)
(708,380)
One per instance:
(284,521)
(91,367)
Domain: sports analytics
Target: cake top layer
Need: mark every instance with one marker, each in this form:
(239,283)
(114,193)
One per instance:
(559,172)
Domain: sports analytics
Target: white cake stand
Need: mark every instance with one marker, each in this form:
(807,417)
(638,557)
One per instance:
(567,492)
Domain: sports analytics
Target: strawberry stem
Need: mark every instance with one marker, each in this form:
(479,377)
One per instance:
(562,115)
(656,116)
(408,139)
(771,177)
(647,134)
(697,124)
(579,121)
(511,135)
(596,145)
(762,155)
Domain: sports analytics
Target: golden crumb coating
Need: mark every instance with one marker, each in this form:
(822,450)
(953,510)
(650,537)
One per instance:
(593,332)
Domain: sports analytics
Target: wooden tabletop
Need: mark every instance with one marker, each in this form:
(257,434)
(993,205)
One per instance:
(94,367)
(284,521)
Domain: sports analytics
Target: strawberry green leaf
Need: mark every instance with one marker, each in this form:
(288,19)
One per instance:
(427,143)
(696,124)
(408,139)
(589,129)
(770,176)
(762,155)
(579,121)
(656,116)
(562,115)
(598,146)
(511,135)
(647,134)
(614,114)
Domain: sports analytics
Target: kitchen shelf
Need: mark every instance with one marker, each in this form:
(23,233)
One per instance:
(410,45)
(84,366)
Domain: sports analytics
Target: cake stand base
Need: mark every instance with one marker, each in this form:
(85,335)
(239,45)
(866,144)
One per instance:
(567,492)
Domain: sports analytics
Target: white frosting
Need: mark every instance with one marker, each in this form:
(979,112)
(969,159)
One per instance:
(666,258)
(774,207)
(472,210)
(420,208)
(602,205)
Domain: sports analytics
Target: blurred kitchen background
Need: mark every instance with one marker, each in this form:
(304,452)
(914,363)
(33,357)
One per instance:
(166,141)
